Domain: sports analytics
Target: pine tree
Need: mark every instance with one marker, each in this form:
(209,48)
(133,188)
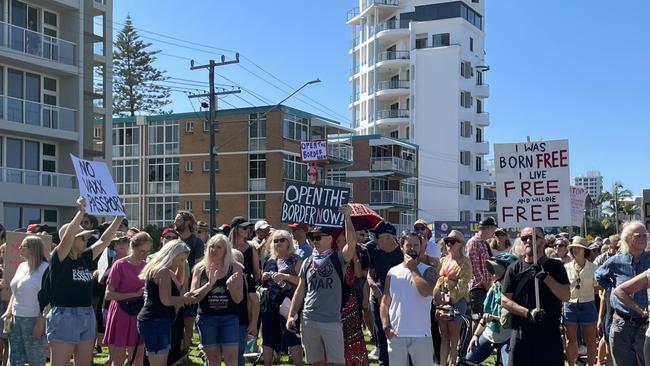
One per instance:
(136,82)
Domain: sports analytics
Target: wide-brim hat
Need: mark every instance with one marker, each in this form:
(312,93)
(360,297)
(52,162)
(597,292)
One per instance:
(579,242)
(454,235)
(81,232)
(487,222)
(240,221)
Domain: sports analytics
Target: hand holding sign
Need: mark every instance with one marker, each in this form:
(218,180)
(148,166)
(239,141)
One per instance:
(81,203)
(97,187)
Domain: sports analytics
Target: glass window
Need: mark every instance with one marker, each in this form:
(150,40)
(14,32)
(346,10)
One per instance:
(32,155)
(293,168)
(257,166)
(256,206)
(33,87)
(440,40)
(49,84)
(50,216)
(49,18)
(163,137)
(14,153)
(31,215)
(294,127)
(162,210)
(15,83)
(163,175)
(12,217)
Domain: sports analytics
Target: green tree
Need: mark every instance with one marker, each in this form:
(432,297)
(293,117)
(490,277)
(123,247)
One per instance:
(136,82)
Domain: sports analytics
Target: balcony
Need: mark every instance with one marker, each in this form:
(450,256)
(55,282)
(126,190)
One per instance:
(392,198)
(482,91)
(392,88)
(353,13)
(339,152)
(355,70)
(355,97)
(393,57)
(369,3)
(37,114)
(37,44)
(257,184)
(392,116)
(337,183)
(392,164)
(483,119)
(482,148)
(38,178)
(482,176)
(356,41)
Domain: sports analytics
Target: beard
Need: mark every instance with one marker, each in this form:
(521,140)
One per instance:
(413,254)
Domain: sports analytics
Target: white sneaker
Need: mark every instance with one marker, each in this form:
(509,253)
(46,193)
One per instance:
(582,350)
(374,354)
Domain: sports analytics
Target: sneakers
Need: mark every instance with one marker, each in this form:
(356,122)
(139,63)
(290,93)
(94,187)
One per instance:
(374,355)
(582,350)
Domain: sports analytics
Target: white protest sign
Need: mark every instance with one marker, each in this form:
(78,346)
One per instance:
(313,150)
(533,183)
(97,186)
(578,196)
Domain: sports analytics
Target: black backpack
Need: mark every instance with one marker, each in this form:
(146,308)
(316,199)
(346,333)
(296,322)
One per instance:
(346,290)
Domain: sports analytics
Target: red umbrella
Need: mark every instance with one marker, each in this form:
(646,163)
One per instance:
(364,218)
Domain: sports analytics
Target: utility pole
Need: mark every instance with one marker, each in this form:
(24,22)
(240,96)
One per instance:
(212,97)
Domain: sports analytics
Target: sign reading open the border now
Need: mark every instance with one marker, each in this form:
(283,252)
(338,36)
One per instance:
(313,205)
(312,151)
(97,186)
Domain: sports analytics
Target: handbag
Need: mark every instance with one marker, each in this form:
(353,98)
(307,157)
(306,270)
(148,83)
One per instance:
(131,307)
(284,307)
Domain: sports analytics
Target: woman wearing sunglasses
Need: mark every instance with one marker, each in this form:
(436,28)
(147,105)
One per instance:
(452,290)
(280,277)
(581,308)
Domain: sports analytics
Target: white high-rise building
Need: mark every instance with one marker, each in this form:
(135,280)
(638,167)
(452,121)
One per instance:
(418,72)
(55,81)
(592,182)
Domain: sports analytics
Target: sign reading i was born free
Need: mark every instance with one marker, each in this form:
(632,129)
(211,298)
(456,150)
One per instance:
(533,183)
(313,205)
(97,186)
(312,151)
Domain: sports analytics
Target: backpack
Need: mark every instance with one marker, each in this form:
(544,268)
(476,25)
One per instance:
(346,290)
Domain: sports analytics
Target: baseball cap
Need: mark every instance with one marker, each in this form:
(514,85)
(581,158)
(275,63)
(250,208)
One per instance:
(240,221)
(81,232)
(303,227)
(168,230)
(487,222)
(321,230)
(262,225)
(384,228)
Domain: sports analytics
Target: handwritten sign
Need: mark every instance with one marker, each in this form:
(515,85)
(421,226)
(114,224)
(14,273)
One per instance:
(578,196)
(313,150)
(11,256)
(313,205)
(97,186)
(533,183)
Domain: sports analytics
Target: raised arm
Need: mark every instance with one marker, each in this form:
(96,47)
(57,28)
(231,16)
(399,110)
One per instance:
(106,237)
(166,298)
(71,232)
(350,248)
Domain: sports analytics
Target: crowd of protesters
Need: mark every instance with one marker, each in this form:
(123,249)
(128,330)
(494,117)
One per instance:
(314,293)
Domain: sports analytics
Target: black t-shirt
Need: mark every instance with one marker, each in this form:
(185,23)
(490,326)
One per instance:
(548,301)
(197,249)
(382,262)
(72,279)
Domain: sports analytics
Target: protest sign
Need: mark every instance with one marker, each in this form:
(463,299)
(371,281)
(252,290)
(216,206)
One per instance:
(312,151)
(97,186)
(646,208)
(578,196)
(11,256)
(533,183)
(313,205)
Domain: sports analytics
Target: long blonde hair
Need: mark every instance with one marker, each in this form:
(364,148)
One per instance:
(215,240)
(278,234)
(163,258)
(36,252)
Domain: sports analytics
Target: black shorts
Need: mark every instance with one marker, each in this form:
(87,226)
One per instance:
(476,300)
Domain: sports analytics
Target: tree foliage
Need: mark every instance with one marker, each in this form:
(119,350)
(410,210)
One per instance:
(136,82)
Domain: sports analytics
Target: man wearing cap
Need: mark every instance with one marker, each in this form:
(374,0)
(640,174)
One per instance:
(299,232)
(536,337)
(627,333)
(384,254)
(478,252)
(320,288)
(262,230)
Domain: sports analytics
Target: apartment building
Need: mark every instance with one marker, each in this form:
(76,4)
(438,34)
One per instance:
(418,75)
(55,80)
(592,182)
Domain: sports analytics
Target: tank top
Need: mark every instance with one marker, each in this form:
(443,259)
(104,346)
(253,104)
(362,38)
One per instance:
(153,308)
(218,300)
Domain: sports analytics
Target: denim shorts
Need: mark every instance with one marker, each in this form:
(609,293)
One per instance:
(156,334)
(71,324)
(584,313)
(218,330)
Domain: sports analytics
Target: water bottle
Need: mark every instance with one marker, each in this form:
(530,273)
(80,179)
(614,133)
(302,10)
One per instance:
(282,284)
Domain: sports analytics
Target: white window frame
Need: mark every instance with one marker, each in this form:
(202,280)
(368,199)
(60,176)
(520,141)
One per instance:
(189,127)
(188,166)
(188,205)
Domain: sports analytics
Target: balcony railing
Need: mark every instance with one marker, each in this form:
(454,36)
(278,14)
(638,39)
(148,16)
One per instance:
(335,183)
(257,184)
(394,84)
(355,97)
(393,113)
(356,41)
(37,114)
(37,178)
(392,24)
(396,198)
(393,55)
(37,44)
(355,70)
(339,151)
(353,13)
(369,3)
(393,164)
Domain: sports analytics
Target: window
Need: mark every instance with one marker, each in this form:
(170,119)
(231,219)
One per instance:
(479,106)
(464,215)
(188,165)
(377,184)
(479,77)
(126,141)
(293,168)
(479,163)
(256,132)
(163,137)
(257,166)
(206,205)
(466,129)
(206,126)
(464,187)
(132,206)
(465,99)
(466,69)
(256,206)
(479,192)
(465,157)
(97,132)
(126,173)
(421,41)
(394,134)
(206,165)
(294,127)
(188,205)
(479,135)
(162,210)
(163,175)
(189,127)
(471,44)
(440,40)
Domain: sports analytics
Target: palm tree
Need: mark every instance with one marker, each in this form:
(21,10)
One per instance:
(629,209)
(614,199)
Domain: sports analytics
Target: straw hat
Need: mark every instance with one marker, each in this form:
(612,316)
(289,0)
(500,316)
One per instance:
(579,242)
(454,235)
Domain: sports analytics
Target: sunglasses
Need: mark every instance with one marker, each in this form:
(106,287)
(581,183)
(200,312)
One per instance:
(278,241)
(420,228)
(526,238)
(318,237)
(578,285)
(170,237)
(451,242)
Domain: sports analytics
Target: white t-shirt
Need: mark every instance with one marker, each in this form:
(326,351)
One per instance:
(409,311)
(25,287)
(433,249)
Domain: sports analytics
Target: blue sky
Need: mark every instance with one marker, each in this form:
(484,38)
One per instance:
(559,69)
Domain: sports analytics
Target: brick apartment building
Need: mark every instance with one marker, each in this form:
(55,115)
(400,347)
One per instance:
(161,164)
